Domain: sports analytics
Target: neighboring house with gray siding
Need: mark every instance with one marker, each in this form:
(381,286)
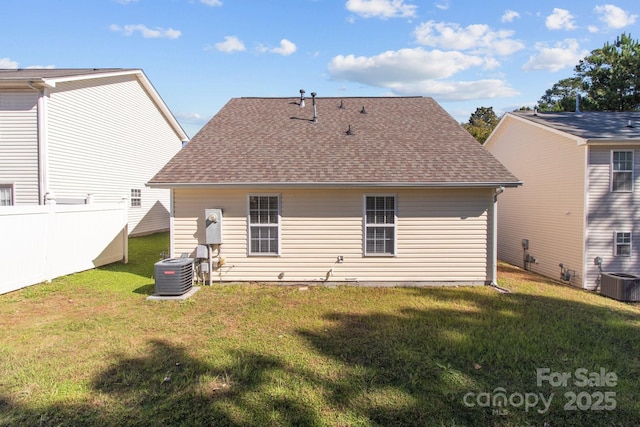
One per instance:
(347,190)
(78,134)
(580,195)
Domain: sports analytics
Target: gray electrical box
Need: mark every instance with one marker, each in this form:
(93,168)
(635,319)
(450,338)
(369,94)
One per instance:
(213,226)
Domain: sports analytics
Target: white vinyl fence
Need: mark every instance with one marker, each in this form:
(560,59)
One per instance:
(40,243)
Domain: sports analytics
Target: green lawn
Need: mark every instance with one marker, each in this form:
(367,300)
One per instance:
(89,349)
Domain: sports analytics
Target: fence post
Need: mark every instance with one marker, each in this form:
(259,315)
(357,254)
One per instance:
(50,201)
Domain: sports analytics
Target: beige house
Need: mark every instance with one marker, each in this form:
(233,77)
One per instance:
(86,136)
(355,190)
(579,201)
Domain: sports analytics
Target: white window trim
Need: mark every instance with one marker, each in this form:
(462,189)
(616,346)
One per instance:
(365,225)
(615,243)
(260,254)
(613,172)
(12,187)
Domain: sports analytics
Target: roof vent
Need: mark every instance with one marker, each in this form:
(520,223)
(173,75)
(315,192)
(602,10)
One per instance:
(301,98)
(349,131)
(341,105)
(629,124)
(315,113)
(363,111)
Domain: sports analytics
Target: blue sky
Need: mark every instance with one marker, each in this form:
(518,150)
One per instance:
(200,53)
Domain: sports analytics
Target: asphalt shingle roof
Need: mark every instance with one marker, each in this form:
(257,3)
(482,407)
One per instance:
(402,140)
(608,125)
(49,73)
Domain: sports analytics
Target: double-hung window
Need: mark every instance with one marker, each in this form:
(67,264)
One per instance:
(6,195)
(380,225)
(264,225)
(622,171)
(136,198)
(622,243)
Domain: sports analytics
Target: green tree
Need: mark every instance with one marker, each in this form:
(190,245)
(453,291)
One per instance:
(562,96)
(611,75)
(481,123)
(607,79)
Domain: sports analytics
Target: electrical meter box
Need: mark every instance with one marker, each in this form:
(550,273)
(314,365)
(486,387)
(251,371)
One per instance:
(213,226)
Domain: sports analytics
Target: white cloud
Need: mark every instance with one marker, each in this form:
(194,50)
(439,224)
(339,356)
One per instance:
(444,5)
(211,2)
(191,118)
(457,90)
(419,72)
(286,48)
(381,8)
(615,17)
(230,44)
(560,19)
(147,33)
(479,38)
(8,63)
(564,54)
(593,29)
(405,65)
(509,16)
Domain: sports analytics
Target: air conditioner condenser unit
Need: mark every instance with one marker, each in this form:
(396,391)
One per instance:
(174,276)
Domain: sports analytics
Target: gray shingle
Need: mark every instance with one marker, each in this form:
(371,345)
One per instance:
(48,73)
(612,125)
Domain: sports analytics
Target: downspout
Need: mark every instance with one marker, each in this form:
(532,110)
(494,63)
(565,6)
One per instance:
(172,214)
(43,157)
(494,243)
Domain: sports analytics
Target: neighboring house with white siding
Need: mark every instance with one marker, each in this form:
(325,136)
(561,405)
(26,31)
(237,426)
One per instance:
(78,134)
(580,196)
(343,190)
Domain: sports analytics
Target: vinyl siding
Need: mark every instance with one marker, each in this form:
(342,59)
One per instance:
(105,137)
(441,235)
(549,208)
(610,212)
(19,144)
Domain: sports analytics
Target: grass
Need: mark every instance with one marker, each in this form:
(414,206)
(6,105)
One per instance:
(88,349)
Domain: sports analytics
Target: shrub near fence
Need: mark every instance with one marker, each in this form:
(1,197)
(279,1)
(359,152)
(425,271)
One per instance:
(40,243)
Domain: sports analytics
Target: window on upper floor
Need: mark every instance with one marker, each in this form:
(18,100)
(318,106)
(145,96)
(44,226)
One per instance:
(264,225)
(136,198)
(622,243)
(380,225)
(622,171)
(6,194)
